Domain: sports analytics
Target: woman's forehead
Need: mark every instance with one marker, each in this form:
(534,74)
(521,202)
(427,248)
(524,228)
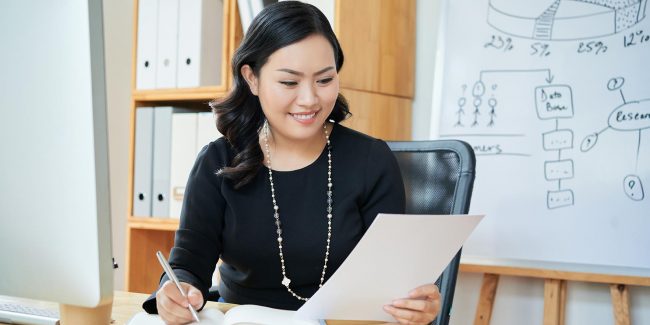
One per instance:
(308,55)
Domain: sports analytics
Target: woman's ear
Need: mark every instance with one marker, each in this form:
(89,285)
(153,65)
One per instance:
(251,79)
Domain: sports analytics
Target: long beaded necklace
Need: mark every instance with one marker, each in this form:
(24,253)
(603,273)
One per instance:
(285,279)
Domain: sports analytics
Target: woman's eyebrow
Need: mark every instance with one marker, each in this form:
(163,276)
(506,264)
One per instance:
(297,73)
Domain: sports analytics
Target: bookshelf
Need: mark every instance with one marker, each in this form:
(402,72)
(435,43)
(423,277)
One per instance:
(379,110)
(146,235)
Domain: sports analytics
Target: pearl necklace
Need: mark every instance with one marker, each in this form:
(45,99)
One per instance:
(285,279)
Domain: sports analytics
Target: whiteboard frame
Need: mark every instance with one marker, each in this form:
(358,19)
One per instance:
(483,264)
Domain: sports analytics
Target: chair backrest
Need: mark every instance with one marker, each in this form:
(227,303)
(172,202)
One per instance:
(438,179)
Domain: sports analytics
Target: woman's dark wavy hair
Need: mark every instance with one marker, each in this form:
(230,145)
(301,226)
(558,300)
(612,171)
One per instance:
(239,115)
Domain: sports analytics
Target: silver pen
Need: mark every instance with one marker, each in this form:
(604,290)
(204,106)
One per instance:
(170,272)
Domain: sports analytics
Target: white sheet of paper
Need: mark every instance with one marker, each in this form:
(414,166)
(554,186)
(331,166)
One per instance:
(399,252)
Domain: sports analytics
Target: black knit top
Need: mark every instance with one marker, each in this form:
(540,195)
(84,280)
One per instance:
(238,226)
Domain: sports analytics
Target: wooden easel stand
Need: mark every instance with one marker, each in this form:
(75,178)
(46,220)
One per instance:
(555,288)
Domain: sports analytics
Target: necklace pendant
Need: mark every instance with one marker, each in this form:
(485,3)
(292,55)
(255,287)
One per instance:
(286,281)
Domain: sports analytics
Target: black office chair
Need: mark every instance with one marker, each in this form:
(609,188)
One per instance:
(438,179)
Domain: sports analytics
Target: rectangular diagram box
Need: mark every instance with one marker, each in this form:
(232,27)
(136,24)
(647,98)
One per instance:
(558,199)
(560,169)
(560,139)
(554,101)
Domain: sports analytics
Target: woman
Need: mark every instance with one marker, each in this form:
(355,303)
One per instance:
(287,193)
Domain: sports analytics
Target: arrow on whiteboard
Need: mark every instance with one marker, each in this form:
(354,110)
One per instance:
(549,76)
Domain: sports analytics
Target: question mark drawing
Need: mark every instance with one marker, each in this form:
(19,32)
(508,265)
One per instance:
(589,142)
(633,187)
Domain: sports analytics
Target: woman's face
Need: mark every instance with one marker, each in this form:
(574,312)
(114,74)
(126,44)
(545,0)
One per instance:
(297,88)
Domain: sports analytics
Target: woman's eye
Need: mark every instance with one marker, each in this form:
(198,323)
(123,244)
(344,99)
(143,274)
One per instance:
(325,81)
(289,83)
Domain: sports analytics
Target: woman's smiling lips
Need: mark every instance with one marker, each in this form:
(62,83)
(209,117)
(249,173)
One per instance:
(305,117)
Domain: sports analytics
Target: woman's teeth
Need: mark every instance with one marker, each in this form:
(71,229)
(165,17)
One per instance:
(303,116)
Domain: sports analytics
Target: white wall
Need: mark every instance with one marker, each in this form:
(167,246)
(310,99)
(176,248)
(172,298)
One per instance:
(427,12)
(118,38)
(518,300)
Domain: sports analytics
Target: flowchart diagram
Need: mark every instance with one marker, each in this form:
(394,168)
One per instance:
(552,102)
(555,102)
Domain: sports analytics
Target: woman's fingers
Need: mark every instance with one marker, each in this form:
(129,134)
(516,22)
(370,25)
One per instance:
(172,305)
(413,304)
(173,313)
(170,291)
(421,307)
(407,316)
(425,291)
(429,306)
(194,296)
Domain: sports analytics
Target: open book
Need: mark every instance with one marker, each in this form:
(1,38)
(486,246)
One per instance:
(243,314)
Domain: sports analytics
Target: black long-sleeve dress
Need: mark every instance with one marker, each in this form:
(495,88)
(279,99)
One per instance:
(238,226)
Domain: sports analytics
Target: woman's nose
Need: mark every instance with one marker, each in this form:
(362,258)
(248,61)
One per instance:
(307,96)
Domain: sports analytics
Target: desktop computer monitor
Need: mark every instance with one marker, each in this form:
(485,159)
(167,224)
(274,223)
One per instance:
(55,229)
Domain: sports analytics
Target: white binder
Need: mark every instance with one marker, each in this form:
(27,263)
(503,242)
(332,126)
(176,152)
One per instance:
(200,26)
(162,158)
(146,44)
(167,43)
(206,130)
(162,135)
(182,155)
(143,162)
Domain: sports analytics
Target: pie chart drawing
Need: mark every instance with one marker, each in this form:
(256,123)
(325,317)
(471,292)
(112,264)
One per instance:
(564,20)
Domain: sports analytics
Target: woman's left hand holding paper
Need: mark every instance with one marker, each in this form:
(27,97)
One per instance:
(421,307)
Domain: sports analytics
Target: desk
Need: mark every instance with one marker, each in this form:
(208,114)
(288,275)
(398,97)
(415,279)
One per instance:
(127,304)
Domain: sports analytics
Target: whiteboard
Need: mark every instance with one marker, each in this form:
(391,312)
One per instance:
(554,97)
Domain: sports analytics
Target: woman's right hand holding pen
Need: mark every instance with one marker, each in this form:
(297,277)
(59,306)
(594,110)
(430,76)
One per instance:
(172,306)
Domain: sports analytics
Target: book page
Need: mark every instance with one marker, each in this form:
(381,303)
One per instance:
(260,315)
(209,316)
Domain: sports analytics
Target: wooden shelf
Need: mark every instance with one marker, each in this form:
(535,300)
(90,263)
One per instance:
(146,223)
(179,94)
(146,235)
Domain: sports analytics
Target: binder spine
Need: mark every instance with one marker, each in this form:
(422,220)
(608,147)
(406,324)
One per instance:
(147,44)
(143,162)
(167,43)
(161,161)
